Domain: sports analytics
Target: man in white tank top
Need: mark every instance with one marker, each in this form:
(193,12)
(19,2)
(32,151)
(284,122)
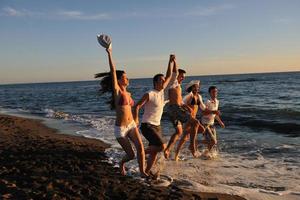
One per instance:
(153,102)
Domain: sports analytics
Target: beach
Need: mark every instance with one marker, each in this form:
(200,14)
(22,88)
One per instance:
(38,162)
(150,100)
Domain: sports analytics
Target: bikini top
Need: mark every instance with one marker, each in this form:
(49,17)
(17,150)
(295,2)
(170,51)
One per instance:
(195,102)
(125,100)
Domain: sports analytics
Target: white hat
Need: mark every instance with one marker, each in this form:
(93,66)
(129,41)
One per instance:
(191,83)
(104,40)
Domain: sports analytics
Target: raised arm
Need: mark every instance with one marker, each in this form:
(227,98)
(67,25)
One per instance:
(169,71)
(137,107)
(174,74)
(175,67)
(112,71)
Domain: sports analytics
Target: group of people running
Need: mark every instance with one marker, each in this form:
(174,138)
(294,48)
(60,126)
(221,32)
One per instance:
(182,112)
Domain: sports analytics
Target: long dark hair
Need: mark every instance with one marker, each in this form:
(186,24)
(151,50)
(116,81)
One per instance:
(106,85)
(190,89)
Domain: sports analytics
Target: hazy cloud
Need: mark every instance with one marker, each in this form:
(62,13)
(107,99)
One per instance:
(11,12)
(208,11)
(283,20)
(62,14)
(80,15)
(74,14)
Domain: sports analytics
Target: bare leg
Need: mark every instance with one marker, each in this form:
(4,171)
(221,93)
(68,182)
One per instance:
(135,137)
(172,141)
(201,129)
(183,139)
(213,137)
(152,158)
(194,129)
(126,145)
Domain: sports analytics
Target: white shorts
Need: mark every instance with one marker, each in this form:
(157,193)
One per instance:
(122,131)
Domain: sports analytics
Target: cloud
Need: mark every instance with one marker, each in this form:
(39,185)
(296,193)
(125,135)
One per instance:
(162,13)
(194,12)
(283,20)
(62,14)
(209,11)
(74,14)
(80,15)
(11,12)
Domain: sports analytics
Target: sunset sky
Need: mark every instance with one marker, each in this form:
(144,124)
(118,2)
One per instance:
(46,41)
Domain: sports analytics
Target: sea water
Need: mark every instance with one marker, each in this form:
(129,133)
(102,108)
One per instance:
(258,150)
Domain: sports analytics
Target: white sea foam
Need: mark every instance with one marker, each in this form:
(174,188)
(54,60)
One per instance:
(98,127)
(285,146)
(235,172)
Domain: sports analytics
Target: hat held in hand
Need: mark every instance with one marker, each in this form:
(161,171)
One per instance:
(104,40)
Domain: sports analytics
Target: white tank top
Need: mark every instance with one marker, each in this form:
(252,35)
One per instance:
(153,109)
(212,106)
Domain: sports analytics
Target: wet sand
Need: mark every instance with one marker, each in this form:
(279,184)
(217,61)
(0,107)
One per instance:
(37,162)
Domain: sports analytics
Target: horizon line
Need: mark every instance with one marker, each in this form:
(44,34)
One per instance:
(72,81)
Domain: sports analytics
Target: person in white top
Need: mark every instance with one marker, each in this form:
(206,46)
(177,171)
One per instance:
(194,101)
(153,102)
(208,119)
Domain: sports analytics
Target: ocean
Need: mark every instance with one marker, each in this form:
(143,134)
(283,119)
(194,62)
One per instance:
(258,150)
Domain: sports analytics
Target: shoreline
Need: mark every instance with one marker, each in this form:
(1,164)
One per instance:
(39,162)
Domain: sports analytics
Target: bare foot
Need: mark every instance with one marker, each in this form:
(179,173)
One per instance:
(196,154)
(206,152)
(154,176)
(144,175)
(176,158)
(167,154)
(208,156)
(122,168)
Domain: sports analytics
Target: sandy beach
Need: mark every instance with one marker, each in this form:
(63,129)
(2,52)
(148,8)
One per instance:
(39,163)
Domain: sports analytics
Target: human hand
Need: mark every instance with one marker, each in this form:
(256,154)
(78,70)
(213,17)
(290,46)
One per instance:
(222,124)
(172,57)
(217,112)
(108,50)
(187,108)
(136,120)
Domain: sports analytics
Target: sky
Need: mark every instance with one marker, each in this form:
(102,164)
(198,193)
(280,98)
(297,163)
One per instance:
(49,41)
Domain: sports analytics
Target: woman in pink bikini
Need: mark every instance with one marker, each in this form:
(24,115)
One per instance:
(125,130)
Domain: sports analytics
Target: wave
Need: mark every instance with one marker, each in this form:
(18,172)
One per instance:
(283,113)
(87,119)
(286,128)
(240,80)
(289,129)
(283,121)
